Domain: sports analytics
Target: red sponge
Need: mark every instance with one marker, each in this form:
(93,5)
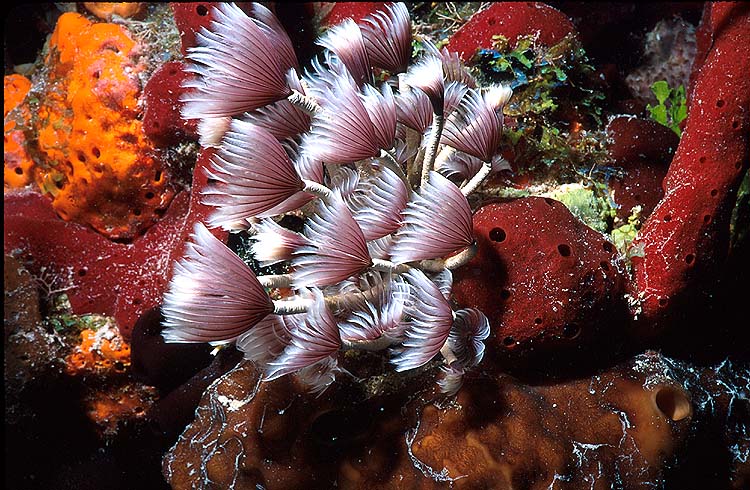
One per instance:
(543,278)
(685,240)
(511,20)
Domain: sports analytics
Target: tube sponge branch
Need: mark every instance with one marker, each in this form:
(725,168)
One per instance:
(371,268)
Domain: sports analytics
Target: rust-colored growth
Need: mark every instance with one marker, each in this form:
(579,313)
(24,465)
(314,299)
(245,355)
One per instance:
(101,351)
(109,408)
(99,167)
(18,166)
(106,10)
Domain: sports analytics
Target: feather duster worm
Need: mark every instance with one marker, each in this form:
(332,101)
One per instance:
(374,253)
(213,296)
(437,222)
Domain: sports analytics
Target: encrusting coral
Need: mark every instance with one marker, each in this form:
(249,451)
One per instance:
(371,269)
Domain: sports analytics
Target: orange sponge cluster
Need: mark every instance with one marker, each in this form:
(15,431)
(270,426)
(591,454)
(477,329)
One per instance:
(99,167)
(18,166)
(111,398)
(100,352)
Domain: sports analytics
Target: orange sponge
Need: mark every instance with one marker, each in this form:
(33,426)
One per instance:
(99,167)
(100,351)
(18,166)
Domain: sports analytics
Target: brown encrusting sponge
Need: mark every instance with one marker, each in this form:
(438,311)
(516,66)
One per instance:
(624,426)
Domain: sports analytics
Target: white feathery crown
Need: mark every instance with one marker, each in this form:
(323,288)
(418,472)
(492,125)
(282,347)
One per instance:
(370,268)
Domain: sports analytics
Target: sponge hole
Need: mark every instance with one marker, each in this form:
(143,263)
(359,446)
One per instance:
(498,235)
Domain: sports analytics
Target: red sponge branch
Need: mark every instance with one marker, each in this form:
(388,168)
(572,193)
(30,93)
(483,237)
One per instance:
(685,240)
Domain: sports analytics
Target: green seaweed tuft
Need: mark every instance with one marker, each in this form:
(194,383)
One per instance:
(671,107)
(555,115)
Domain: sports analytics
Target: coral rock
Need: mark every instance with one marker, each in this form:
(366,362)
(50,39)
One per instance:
(31,353)
(643,149)
(162,121)
(669,51)
(511,20)
(99,167)
(542,277)
(18,165)
(685,240)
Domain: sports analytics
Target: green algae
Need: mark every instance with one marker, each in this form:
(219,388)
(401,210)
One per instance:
(555,116)
(623,236)
(589,202)
(671,107)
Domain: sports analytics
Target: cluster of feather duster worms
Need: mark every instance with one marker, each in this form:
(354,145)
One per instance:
(388,169)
